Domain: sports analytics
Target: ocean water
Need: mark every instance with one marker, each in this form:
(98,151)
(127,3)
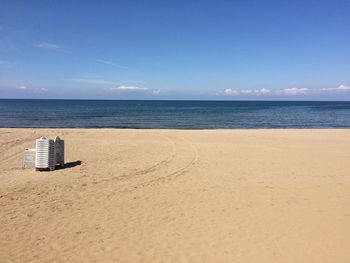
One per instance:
(173,114)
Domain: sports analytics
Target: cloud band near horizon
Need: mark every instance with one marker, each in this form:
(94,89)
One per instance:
(294,91)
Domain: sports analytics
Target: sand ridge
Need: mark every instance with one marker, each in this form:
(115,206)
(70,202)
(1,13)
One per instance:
(178,196)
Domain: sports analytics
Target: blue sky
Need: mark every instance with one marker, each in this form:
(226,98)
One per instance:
(259,50)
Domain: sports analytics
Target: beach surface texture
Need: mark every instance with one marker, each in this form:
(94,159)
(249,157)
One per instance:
(178,196)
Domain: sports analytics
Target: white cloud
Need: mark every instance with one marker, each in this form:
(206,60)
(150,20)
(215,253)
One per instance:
(246,91)
(129,88)
(235,92)
(343,87)
(339,88)
(230,92)
(107,62)
(280,92)
(126,88)
(120,88)
(156,91)
(46,45)
(51,47)
(262,91)
(41,89)
(295,91)
(31,89)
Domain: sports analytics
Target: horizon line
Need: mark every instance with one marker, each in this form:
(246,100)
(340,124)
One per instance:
(204,100)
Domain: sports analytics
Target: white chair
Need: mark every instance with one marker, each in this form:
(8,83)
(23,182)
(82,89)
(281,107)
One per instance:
(44,155)
(49,153)
(29,158)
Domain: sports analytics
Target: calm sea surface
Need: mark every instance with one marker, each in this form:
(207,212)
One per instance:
(173,114)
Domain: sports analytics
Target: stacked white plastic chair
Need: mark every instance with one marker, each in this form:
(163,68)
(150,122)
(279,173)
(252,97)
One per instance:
(49,153)
(44,155)
(59,151)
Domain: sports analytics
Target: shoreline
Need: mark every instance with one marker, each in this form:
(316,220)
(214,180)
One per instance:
(175,129)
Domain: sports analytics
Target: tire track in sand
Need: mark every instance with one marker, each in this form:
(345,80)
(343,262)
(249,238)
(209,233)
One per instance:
(12,149)
(166,170)
(153,168)
(179,171)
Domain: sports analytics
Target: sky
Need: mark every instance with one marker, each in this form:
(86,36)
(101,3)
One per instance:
(205,50)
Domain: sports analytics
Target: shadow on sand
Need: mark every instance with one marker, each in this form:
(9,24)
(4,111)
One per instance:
(69,165)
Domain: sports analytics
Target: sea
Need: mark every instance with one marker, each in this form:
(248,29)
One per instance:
(147,114)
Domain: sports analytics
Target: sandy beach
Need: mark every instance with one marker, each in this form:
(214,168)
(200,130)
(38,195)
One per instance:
(178,196)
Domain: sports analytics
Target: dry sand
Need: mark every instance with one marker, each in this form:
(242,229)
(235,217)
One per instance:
(178,196)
